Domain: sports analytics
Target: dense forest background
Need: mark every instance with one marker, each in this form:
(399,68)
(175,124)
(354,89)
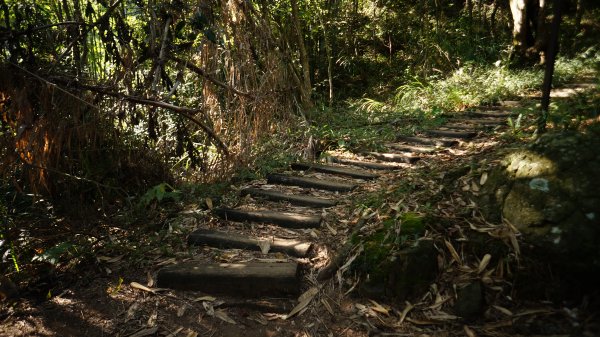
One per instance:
(105,101)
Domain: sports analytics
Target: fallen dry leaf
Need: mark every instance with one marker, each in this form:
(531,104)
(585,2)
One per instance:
(469,332)
(379,308)
(303,300)
(483,179)
(265,246)
(205,299)
(175,333)
(483,263)
(136,285)
(222,315)
(453,252)
(405,312)
(145,332)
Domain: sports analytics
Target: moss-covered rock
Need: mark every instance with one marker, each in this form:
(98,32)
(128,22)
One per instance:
(550,190)
(406,274)
(396,263)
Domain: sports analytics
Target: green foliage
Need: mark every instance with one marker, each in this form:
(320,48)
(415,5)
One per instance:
(158,193)
(55,254)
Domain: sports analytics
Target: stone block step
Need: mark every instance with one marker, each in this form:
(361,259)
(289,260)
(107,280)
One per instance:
(467,126)
(491,113)
(226,240)
(479,121)
(393,157)
(411,148)
(234,279)
(308,182)
(427,141)
(365,164)
(288,220)
(359,174)
(300,200)
(452,133)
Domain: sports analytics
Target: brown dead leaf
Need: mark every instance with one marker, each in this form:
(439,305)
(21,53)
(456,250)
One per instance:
(175,333)
(192,334)
(303,300)
(138,286)
(132,311)
(483,179)
(327,306)
(222,315)
(503,310)
(145,332)
(209,203)
(453,252)
(405,312)
(379,308)
(484,263)
(205,299)
(181,310)
(265,246)
(469,332)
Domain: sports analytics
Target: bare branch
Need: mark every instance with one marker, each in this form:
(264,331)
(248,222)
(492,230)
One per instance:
(183,111)
(203,73)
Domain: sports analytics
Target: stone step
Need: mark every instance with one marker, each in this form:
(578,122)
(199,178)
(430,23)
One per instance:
(467,126)
(359,174)
(411,148)
(226,240)
(427,141)
(491,113)
(308,182)
(452,133)
(236,279)
(288,220)
(393,157)
(479,121)
(300,200)
(365,164)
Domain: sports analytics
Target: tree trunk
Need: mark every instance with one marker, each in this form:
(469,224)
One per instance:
(541,36)
(518,9)
(549,72)
(579,15)
(306,89)
(493,18)
(529,27)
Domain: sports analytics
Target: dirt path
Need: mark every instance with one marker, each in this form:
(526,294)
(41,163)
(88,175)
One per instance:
(250,259)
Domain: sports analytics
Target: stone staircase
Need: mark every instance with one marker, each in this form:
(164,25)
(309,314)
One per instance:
(280,272)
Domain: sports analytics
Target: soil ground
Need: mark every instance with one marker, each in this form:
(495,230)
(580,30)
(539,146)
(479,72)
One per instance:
(108,296)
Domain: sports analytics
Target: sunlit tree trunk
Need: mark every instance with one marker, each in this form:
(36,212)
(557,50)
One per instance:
(529,26)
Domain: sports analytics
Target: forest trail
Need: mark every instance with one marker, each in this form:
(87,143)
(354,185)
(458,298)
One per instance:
(280,239)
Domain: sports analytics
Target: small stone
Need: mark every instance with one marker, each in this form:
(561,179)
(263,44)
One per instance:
(539,184)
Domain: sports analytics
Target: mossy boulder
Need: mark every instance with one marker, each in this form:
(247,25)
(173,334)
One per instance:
(406,274)
(550,191)
(396,262)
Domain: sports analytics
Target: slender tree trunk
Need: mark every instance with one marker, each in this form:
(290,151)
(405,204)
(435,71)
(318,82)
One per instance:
(549,72)
(541,34)
(579,15)
(304,62)
(493,18)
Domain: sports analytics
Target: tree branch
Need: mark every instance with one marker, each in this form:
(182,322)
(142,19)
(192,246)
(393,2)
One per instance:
(183,111)
(203,73)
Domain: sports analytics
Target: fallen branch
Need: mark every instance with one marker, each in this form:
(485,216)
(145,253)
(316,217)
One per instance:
(203,73)
(183,111)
